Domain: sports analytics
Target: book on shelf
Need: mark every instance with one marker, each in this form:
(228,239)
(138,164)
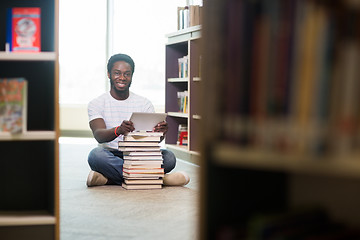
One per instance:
(290,78)
(195,12)
(13,105)
(183,66)
(189,16)
(133,186)
(23,26)
(183,101)
(183,138)
(182,135)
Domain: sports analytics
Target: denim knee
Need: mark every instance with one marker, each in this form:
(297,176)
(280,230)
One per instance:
(94,156)
(169,160)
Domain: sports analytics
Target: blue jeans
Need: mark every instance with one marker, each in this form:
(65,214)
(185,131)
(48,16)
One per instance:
(110,163)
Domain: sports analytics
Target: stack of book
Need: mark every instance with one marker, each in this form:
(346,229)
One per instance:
(143,161)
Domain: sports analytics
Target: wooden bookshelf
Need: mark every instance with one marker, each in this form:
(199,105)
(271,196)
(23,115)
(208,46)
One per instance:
(279,76)
(29,205)
(182,43)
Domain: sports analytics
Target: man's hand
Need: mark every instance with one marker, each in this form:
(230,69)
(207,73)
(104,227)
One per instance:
(161,127)
(125,127)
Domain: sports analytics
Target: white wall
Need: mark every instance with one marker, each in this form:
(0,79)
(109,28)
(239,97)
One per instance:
(73,117)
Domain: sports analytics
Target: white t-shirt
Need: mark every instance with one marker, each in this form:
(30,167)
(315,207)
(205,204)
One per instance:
(114,112)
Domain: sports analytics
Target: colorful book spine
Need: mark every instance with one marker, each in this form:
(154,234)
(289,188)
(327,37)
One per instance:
(23,33)
(13,105)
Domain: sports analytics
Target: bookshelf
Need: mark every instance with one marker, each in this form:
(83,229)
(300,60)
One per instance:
(29,206)
(185,42)
(281,83)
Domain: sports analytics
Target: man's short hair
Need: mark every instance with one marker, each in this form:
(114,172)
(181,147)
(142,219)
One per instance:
(120,57)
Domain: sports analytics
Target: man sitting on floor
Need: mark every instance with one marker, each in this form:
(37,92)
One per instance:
(109,110)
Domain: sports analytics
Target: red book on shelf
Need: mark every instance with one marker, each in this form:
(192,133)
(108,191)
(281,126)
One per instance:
(23,29)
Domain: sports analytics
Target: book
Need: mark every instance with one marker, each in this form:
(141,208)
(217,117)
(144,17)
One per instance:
(183,138)
(180,14)
(131,165)
(144,123)
(138,144)
(147,133)
(143,157)
(194,12)
(23,26)
(142,162)
(141,186)
(145,153)
(143,181)
(142,175)
(189,16)
(143,170)
(13,105)
(138,148)
(150,138)
(182,130)
(182,98)
(183,63)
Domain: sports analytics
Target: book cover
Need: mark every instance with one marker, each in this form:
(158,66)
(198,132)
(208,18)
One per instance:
(13,105)
(23,32)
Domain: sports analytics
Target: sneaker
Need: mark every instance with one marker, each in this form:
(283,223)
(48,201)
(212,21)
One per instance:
(95,179)
(176,179)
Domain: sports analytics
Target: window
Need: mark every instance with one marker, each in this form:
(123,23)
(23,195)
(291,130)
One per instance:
(139,29)
(82,50)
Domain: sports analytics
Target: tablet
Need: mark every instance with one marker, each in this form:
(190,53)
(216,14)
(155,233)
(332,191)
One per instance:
(144,121)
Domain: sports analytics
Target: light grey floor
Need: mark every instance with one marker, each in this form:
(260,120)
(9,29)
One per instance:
(111,212)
